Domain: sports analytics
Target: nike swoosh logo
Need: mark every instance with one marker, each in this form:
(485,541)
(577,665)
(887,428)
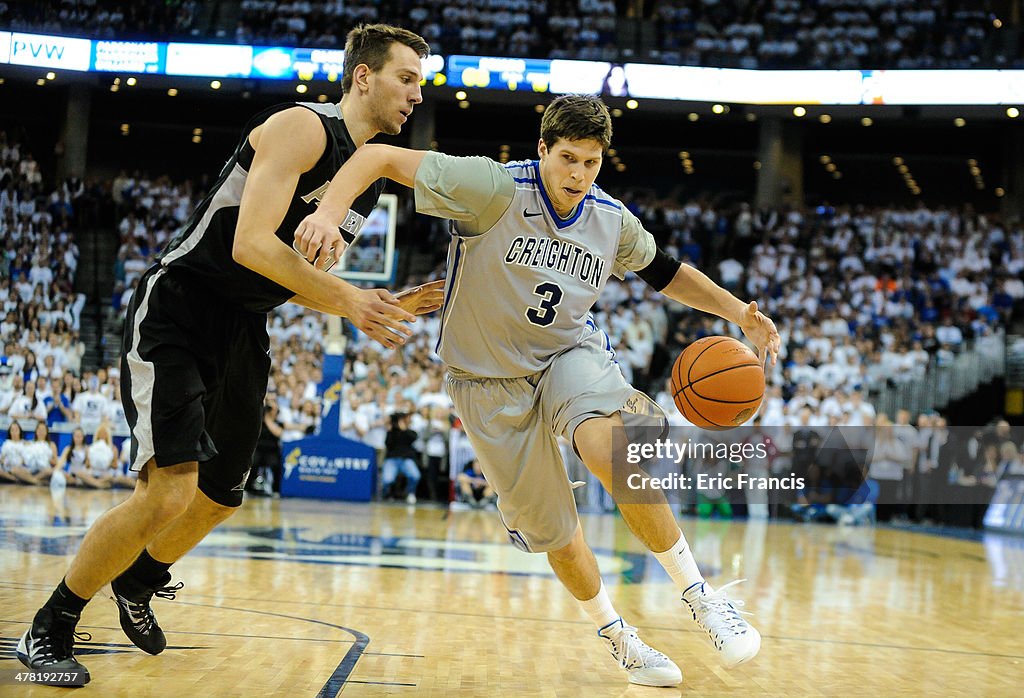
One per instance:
(527,214)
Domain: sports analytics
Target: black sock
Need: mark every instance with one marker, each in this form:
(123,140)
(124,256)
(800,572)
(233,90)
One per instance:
(146,571)
(67,602)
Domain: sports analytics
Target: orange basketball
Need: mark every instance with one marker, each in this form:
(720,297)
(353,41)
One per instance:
(717,383)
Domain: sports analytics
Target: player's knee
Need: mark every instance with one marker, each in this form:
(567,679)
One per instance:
(169,492)
(566,547)
(166,504)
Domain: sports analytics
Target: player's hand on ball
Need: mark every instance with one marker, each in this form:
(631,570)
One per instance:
(422,299)
(760,330)
(314,235)
(377,313)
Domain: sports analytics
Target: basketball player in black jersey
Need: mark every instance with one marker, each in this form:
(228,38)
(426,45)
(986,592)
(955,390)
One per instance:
(195,357)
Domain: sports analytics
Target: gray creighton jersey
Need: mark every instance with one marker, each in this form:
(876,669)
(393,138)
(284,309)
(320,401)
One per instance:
(521,280)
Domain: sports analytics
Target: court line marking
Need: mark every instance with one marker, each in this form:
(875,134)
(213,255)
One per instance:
(382,683)
(344,669)
(391,654)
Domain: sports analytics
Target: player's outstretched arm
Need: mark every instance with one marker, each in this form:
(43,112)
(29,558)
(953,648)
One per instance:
(319,230)
(692,287)
(289,144)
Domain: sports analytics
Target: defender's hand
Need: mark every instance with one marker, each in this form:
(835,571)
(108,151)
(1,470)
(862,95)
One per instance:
(376,312)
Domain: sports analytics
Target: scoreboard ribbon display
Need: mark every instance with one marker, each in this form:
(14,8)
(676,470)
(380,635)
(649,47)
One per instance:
(666,82)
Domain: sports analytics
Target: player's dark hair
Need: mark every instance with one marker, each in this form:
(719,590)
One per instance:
(370,44)
(575,118)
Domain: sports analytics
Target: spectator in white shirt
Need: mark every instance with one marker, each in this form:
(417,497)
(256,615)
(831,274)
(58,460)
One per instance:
(90,406)
(28,405)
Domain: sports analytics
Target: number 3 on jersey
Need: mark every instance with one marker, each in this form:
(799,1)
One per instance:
(551,295)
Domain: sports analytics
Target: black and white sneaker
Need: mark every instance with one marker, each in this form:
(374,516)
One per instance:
(48,649)
(137,618)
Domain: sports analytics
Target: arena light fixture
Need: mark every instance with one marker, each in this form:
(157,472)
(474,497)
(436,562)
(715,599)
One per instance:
(632,104)
(757,164)
(825,118)
(172,92)
(301,88)
(463,104)
(197,131)
(693,116)
(897,161)
(539,108)
(718,109)
(620,167)
(959,122)
(321,98)
(1012,112)
(51,75)
(131,82)
(215,85)
(867,121)
(751,116)
(42,81)
(1000,192)
(460,95)
(197,139)
(616,112)
(825,159)
(799,112)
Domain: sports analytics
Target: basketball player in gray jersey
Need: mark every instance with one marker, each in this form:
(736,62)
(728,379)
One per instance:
(533,246)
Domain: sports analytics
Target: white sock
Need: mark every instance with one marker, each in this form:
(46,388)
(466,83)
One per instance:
(679,563)
(600,608)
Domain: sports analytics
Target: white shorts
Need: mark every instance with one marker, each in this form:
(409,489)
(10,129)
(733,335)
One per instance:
(514,425)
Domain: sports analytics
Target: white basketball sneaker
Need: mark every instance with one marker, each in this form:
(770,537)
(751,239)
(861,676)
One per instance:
(719,616)
(646,666)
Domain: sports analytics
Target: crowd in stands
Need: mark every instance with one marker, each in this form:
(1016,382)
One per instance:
(104,19)
(862,297)
(742,34)
(42,382)
(822,34)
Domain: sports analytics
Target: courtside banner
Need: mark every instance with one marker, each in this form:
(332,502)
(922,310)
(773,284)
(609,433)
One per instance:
(328,467)
(5,47)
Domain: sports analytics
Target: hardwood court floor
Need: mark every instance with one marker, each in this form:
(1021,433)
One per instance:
(304,598)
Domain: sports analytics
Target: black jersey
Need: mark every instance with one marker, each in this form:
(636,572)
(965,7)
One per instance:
(202,248)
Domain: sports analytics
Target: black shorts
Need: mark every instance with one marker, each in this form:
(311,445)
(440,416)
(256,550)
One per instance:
(194,373)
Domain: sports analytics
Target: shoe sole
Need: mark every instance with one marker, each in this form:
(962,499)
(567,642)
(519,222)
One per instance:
(655,684)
